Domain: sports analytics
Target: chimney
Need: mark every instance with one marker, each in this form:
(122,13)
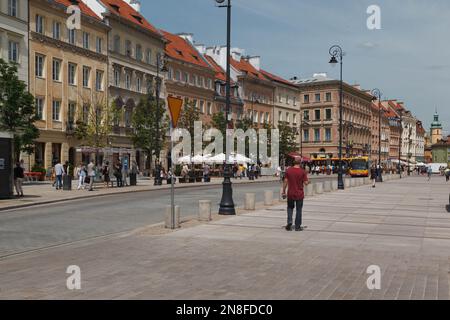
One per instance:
(201,48)
(255,62)
(237,53)
(187,36)
(135,4)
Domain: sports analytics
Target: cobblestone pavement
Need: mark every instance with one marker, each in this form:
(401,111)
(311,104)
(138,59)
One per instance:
(402,226)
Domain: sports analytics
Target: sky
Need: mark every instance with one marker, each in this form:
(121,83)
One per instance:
(408,59)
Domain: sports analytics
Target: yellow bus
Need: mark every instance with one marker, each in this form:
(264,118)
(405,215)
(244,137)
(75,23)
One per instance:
(359,167)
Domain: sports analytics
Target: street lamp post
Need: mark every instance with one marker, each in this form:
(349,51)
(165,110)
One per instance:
(336,52)
(227,203)
(160,67)
(377,95)
(400,143)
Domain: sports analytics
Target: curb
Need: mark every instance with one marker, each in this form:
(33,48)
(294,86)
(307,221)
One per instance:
(87,196)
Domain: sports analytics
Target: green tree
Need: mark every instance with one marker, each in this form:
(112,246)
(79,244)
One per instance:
(288,141)
(17,112)
(144,120)
(94,124)
(189,115)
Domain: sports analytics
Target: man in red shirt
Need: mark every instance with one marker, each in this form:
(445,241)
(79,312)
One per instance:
(295,179)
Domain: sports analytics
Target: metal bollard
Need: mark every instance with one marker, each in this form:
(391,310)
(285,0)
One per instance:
(168,217)
(268,198)
(249,201)
(204,210)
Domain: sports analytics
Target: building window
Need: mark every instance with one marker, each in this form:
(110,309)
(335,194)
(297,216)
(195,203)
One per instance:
(294,101)
(328,114)
(86,40)
(39,66)
(148,56)
(99,80)
(86,76)
(209,108)
(13,51)
(117,78)
(266,117)
(192,79)
(56,30)
(294,120)
(317,97)
(170,74)
(117,44)
(306,115)
(85,113)
(128,81)
(39,105)
(202,106)
(71,112)
(72,70)
(72,35)
(99,45)
(178,75)
(39,24)
(202,82)
(12,8)
(328,96)
(56,109)
(139,52)
(287,99)
(128,51)
(280,116)
(185,77)
(138,84)
(305,135)
(306,98)
(317,115)
(317,135)
(128,118)
(56,70)
(288,117)
(194,103)
(328,135)
(198,81)
(209,83)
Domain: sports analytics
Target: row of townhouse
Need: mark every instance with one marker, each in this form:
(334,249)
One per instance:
(116,57)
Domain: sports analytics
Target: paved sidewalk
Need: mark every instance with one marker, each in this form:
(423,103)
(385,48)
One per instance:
(44,193)
(402,226)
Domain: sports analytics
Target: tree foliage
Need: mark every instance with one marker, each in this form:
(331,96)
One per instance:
(144,121)
(288,140)
(17,110)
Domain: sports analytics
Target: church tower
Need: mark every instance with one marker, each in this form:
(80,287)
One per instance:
(436,129)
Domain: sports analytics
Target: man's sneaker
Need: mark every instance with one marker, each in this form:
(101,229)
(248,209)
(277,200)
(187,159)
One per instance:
(299,228)
(289,227)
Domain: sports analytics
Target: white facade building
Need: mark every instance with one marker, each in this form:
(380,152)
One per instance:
(14,34)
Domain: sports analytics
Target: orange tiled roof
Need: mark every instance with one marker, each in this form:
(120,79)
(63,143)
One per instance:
(124,10)
(245,66)
(220,73)
(277,78)
(180,49)
(83,8)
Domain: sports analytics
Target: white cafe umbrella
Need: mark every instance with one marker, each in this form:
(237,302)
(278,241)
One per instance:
(185,159)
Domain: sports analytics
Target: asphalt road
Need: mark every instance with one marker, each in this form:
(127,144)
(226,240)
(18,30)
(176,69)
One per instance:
(44,226)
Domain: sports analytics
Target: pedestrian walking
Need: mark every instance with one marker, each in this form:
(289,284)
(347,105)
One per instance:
(429,172)
(295,180)
(447,174)
(206,170)
(91,175)
(373,175)
(105,173)
(81,174)
(125,173)
(59,172)
(18,179)
(118,174)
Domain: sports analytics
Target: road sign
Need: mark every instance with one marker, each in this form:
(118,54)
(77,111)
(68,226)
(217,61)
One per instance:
(175,106)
